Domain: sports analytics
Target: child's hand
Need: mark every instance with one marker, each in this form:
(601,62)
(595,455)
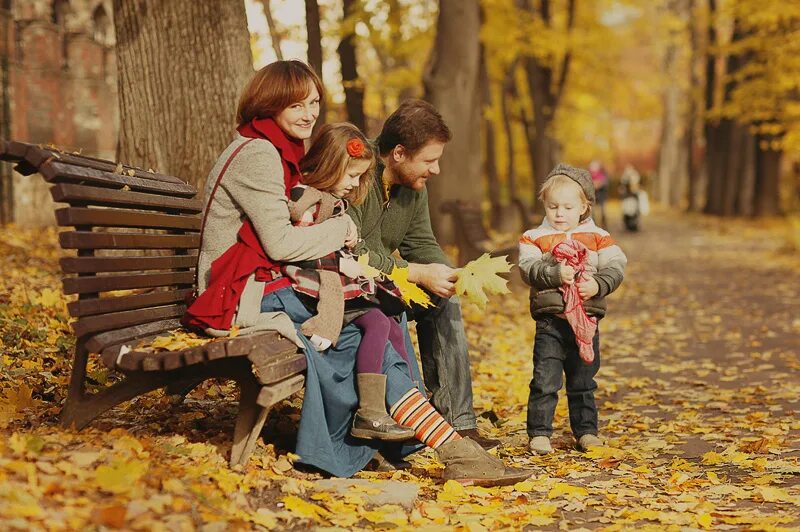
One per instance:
(351,239)
(350,267)
(567,274)
(588,288)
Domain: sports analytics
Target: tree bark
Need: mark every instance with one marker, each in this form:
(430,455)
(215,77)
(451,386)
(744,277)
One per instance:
(451,85)
(673,153)
(6,176)
(489,145)
(274,34)
(768,163)
(353,87)
(182,65)
(314,37)
(546,92)
(692,171)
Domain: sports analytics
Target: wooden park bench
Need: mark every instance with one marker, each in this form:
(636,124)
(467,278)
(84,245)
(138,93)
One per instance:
(471,236)
(136,235)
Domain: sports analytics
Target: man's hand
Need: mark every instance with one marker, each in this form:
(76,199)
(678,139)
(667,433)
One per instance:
(351,238)
(438,279)
(350,267)
(567,274)
(588,288)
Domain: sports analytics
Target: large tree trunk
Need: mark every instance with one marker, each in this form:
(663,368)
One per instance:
(314,37)
(182,65)
(353,87)
(451,85)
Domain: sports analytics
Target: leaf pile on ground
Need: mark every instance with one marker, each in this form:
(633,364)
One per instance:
(698,398)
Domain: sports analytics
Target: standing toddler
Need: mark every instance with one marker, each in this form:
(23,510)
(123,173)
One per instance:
(571,265)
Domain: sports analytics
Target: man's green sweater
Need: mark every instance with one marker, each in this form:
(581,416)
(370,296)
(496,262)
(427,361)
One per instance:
(400,222)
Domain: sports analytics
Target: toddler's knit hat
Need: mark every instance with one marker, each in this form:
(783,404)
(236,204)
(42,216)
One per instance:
(579,175)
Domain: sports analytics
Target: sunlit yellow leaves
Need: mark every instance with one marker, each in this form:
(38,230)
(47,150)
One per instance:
(176,340)
(479,276)
(367,270)
(14,401)
(410,292)
(120,476)
(563,489)
(302,508)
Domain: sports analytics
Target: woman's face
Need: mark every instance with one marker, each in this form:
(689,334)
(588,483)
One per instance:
(298,119)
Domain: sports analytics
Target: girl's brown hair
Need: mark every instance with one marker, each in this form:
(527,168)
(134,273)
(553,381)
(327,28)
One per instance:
(326,161)
(274,88)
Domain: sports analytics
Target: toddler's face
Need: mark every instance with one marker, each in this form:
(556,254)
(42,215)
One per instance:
(352,175)
(564,206)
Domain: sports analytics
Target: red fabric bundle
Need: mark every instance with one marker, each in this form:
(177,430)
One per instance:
(573,253)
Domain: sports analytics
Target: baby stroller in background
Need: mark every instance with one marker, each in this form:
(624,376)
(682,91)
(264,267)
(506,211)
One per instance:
(635,203)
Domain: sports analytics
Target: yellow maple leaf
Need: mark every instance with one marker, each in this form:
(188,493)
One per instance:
(368,271)
(452,492)
(567,490)
(410,292)
(49,298)
(480,276)
(120,476)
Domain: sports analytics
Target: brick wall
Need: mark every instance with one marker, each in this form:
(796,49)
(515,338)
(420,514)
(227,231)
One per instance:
(62,87)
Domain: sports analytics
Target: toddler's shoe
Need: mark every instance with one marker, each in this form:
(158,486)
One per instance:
(540,445)
(588,440)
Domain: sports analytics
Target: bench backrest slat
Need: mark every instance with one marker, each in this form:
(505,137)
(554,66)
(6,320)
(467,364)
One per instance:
(126,318)
(90,307)
(56,172)
(73,216)
(83,195)
(89,240)
(108,283)
(125,264)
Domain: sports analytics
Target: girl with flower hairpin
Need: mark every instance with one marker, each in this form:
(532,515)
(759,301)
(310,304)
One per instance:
(336,170)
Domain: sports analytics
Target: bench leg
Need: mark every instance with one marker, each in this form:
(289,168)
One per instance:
(178,390)
(249,421)
(81,408)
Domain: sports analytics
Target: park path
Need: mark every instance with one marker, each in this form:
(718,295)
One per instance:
(699,386)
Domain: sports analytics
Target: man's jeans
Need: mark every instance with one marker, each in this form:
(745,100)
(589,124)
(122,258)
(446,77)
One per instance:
(555,351)
(445,360)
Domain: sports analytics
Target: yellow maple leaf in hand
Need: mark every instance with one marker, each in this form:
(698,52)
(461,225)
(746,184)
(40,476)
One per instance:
(367,270)
(410,291)
(480,276)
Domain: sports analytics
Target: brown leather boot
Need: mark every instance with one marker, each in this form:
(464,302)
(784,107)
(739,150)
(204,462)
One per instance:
(473,434)
(468,463)
(372,421)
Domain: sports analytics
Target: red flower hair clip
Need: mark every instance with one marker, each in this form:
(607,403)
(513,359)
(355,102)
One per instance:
(355,148)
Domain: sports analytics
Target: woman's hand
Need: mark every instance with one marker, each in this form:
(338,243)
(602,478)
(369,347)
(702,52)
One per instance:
(351,238)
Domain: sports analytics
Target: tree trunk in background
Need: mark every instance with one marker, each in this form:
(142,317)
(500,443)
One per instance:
(714,131)
(314,37)
(489,146)
(692,171)
(353,87)
(546,92)
(274,34)
(451,85)
(768,164)
(182,65)
(673,156)
(6,176)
